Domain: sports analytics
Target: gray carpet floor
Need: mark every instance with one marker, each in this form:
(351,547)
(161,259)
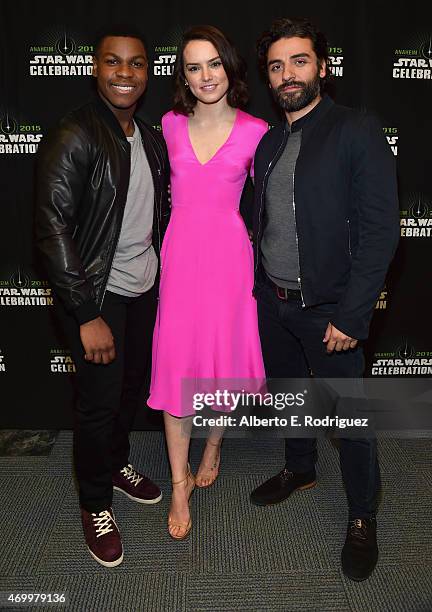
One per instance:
(239,557)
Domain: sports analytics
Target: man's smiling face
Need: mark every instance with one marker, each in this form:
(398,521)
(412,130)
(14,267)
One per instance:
(120,68)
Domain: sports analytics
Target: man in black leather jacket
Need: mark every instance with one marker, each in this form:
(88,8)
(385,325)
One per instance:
(101,211)
(325,230)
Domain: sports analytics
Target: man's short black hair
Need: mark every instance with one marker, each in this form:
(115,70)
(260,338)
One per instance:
(124,30)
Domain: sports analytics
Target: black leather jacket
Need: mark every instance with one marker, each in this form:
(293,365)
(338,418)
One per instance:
(82,182)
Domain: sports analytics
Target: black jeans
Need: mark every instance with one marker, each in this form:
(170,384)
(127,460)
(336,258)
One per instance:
(291,340)
(108,395)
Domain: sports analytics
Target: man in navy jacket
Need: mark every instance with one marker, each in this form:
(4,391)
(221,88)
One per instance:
(326,227)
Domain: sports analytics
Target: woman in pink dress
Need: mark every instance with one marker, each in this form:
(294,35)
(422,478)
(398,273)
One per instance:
(206,326)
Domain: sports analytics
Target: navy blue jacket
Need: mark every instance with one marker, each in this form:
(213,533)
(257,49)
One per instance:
(346,208)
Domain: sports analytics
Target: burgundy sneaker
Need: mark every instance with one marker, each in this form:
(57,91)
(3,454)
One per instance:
(102,537)
(136,486)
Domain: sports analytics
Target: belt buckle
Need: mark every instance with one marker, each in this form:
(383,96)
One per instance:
(282,293)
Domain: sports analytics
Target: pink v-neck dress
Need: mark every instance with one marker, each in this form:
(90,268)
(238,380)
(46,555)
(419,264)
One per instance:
(206,325)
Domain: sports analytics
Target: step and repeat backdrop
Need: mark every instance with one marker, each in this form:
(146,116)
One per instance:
(381,58)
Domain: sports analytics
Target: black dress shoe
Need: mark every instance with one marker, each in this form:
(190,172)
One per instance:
(360,551)
(278,488)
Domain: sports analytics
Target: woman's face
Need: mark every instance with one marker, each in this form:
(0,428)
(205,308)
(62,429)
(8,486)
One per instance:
(204,71)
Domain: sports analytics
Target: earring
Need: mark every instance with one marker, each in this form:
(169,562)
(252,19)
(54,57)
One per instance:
(186,84)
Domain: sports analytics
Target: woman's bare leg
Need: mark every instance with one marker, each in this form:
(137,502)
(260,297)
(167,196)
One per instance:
(208,470)
(177,431)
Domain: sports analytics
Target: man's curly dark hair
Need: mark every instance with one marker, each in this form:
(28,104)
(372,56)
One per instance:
(288,28)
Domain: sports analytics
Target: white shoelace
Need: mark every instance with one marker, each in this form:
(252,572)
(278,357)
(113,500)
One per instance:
(131,474)
(103,522)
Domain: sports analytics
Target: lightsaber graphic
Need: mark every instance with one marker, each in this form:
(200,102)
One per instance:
(65,48)
(406,351)
(8,124)
(19,279)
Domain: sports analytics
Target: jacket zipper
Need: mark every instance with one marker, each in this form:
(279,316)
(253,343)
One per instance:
(113,250)
(349,237)
(296,235)
(158,216)
(119,231)
(115,242)
(264,185)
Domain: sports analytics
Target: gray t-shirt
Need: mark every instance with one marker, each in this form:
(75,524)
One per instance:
(279,242)
(135,262)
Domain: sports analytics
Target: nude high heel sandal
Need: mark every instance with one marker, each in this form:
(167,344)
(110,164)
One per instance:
(185,526)
(215,465)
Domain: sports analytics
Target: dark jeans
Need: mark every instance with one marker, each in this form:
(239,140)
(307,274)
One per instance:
(291,340)
(108,394)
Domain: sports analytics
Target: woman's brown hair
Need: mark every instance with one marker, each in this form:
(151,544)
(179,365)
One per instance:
(235,68)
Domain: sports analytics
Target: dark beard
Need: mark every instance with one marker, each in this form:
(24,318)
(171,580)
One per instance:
(292,102)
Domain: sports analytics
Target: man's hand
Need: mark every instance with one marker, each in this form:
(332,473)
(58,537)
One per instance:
(337,340)
(98,341)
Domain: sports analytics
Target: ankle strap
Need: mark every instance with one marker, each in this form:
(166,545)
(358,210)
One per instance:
(188,475)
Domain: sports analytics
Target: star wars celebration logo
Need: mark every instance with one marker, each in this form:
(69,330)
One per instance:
(404,361)
(335,61)
(414,63)
(18,137)
(164,60)
(61,55)
(416,218)
(165,55)
(391,133)
(2,362)
(21,290)
(61,362)
(382,300)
